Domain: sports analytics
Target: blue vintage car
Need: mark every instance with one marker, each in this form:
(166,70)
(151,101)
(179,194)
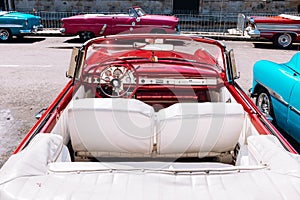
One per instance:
(18,24)
(277,91)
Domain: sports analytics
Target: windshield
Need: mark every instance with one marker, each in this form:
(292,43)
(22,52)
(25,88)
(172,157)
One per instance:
(139,11)
(155,49)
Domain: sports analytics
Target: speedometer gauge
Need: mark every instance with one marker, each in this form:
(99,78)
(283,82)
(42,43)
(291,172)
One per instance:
(128,79)
(108,73)
(117,73)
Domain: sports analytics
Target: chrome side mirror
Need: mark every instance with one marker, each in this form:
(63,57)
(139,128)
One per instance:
(39,114)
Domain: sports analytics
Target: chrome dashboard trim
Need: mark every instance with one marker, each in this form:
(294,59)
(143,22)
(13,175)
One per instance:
(174,81)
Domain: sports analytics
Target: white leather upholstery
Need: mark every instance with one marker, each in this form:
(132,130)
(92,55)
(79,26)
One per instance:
(126,127)
(267,150)
(111,125)
(199,128)
(43,149)
(134,184)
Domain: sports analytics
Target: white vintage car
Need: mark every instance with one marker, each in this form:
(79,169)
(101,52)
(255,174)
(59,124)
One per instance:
(283,30)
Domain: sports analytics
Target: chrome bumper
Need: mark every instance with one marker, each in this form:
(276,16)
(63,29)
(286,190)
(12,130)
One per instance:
(254,33)
(33,30)
(62,30)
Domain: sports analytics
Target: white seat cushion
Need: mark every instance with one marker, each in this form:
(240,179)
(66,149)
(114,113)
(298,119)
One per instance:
(199,128)
(112,126)
(267,150)
(43,149)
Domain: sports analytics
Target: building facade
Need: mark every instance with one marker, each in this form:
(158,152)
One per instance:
(154,6)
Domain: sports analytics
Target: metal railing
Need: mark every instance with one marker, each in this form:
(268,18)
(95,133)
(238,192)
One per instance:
(214,22)
(207,22)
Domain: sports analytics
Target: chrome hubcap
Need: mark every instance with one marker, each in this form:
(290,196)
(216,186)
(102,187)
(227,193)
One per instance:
(284,40)
(4,34)
(86,35)
(263,103)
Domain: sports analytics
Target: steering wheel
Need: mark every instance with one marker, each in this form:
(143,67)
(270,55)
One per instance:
(118,78)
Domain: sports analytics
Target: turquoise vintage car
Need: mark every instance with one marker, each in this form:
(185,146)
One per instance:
(277,91)
(18,24)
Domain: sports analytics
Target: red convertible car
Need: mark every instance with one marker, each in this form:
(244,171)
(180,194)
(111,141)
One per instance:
(153,116)
(136,20)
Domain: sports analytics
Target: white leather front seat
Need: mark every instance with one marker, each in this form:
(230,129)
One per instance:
(111,126)
(199,128)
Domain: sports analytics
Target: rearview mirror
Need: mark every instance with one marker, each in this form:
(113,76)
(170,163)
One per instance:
(153,46)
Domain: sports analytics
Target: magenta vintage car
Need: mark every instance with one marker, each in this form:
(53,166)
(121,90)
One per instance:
(136,20)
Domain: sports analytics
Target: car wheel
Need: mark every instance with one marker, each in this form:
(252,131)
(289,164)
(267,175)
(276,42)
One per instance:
(283,40)
(86,35)
(5,35)
(264,103)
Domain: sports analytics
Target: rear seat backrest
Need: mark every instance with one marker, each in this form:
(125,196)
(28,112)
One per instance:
(199,128)
(126,128)
(111,125)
